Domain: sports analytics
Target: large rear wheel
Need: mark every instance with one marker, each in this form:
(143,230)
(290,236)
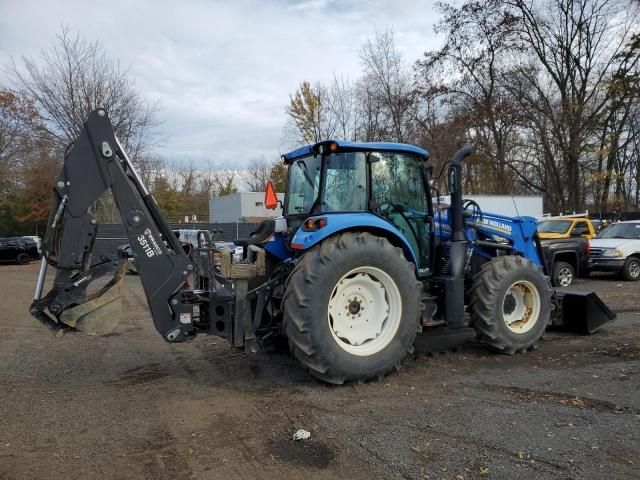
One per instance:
(351,308)
(510,304)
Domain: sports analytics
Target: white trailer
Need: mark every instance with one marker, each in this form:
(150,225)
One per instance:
(510,205)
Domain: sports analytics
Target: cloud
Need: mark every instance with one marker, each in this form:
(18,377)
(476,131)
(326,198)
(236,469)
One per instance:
(223,71)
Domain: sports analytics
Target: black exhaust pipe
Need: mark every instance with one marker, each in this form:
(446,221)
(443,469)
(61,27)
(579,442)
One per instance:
(456,248)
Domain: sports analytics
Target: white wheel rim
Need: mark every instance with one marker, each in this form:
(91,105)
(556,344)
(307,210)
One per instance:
(364,311)
(565,277)
(521,306)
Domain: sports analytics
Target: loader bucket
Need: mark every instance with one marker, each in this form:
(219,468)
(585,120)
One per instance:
(581,312)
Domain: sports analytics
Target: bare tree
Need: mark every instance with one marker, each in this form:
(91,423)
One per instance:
(257,174)
(343,108)
(309,113)
(388,81)
(467,71)
(372,125)
(74,77)
(571,49)
(261,170)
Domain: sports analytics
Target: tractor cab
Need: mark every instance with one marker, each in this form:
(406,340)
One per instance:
(381,187)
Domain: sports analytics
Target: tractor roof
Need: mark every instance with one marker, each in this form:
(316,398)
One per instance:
(356,146)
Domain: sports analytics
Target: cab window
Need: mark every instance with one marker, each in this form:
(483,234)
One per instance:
(581,227)
(397,180)
(345,185)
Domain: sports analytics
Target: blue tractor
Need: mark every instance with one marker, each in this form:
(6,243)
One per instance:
(355,268)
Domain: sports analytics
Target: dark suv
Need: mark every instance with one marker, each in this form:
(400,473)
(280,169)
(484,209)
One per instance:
(17,249)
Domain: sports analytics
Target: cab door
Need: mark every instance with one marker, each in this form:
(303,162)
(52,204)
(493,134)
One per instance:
(398,194)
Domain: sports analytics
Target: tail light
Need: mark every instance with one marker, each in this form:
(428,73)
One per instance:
(313,224)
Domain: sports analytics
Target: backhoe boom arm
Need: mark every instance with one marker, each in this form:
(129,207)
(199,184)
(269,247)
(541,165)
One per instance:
(97,162)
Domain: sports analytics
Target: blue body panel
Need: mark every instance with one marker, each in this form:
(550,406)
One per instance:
(518,231)
(377,146)
(277,246)
(338,222)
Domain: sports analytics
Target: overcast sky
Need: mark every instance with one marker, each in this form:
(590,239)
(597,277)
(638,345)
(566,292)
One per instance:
(222,70)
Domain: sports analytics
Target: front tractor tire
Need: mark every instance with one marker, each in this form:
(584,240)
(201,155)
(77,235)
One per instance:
(351,308)
(510,304)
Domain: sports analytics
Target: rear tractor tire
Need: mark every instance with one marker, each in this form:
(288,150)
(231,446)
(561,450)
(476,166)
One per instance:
(351,308)
(510,304)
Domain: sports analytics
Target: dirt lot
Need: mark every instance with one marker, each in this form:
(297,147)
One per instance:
(129,405)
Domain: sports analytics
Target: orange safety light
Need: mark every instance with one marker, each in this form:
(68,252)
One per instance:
(270,196)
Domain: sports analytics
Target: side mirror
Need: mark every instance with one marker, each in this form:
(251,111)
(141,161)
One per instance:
(270,197)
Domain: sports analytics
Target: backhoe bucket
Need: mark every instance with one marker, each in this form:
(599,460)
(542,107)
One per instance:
(70,307)
(102,311)
(581,312)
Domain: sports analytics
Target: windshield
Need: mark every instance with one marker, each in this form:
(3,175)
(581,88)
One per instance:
(554,226)
(621,230)
(303,185)
(345,184)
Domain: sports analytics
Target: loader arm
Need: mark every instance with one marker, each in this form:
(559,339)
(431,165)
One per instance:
(97,162)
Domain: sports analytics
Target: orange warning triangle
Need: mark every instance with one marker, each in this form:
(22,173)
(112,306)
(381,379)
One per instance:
(270,197)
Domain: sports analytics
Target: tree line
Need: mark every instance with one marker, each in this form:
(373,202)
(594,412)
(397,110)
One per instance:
(43,114)
(547,91)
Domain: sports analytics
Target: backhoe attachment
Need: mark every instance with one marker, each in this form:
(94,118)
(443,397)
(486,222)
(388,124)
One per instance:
(97,162)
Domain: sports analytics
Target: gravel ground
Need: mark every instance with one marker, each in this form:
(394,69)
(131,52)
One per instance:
(129,405)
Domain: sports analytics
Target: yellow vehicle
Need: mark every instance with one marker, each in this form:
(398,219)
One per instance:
(566,227)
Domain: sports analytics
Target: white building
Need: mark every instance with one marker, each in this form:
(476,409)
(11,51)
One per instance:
(241,207)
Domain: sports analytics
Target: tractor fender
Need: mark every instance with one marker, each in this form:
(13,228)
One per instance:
(344,222)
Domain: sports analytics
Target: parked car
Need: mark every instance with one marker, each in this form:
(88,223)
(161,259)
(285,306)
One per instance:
(617,249)
(18,249)
(566,259)
(36,239)
(566,227)
(187,236)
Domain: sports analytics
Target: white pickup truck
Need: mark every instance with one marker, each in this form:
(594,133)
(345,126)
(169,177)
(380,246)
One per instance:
(617,249)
